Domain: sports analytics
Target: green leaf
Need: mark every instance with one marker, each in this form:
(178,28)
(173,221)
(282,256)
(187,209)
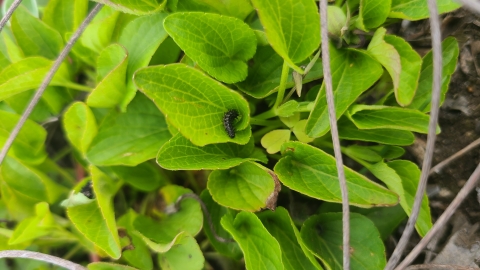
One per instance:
(29,144)
(185,254)
(180,154)
(111,69)
(29,73)
(141,37)
(423,95)
(34,36)
(377,116)
(299,131)
(139,256)
(414,10)
(348,65)
(99,32)
(239,8)
(163,231)
(137,7)
(96,219)
(312,172)
(194,103)
(336,20)
(348,131)
(292,28)
(322,234)
(9,51)
(260,249)
(273,140)
(31,228)
(362,152)
(410,73)
(248,187)
(145,176)
(402,176)
(147,132)
(31,181)
(65,15)
(373,13)
(374,153)
(386,219)
(400,60)
(264,74)
(80,126)
(216,211)
(108,266)
(203,37)
(294,253)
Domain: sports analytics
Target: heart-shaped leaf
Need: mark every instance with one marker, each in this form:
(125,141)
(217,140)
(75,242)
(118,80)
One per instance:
(219,44)
(194,103)
(80,126)
(248,187)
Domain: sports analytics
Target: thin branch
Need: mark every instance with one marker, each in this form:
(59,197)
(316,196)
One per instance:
(46,81)
(205,211)
(9,13)
(444,266)
(41,257)
(327,75)
(427,162)
(443,219)
(438,168)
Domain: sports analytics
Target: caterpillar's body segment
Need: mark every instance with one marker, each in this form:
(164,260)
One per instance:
(228,120)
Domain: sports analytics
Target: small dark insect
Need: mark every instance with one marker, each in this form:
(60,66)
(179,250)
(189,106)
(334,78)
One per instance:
(228,120)
(87,190)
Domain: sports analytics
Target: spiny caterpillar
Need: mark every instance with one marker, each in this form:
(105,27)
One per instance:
(228,120)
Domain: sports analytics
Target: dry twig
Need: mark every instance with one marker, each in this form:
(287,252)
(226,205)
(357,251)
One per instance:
(334,131)
(41,257)
(438,168)
(427,162)
(9,13)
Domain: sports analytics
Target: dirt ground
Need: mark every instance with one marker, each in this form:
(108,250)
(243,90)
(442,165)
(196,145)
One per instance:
(459,120)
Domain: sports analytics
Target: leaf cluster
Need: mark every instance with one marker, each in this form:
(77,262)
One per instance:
(135,118)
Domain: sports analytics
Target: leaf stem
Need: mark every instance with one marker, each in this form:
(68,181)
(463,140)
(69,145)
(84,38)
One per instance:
(46,81)
(261,122)
(266,115)
(283,85)
(79,87)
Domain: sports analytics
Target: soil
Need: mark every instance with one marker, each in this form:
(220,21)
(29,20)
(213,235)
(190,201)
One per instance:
(459,119)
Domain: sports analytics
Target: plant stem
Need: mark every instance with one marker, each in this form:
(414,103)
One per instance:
(261,122)
(79,87)
(46,81)
(283,85)
(266,115)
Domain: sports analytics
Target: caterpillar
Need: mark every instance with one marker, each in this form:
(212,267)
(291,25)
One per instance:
(87,190)
(228,119)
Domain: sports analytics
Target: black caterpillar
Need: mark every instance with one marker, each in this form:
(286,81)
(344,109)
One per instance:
(87,190)
(228,120)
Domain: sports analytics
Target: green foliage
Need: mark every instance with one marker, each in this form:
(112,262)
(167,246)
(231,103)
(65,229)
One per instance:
(121,170)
